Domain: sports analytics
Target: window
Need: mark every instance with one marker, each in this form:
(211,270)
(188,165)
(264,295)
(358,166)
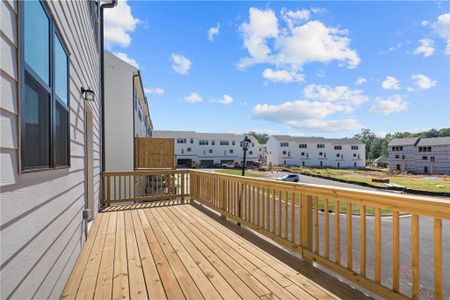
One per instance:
(338,147)
(337,155)
(45,95)
(231,150)
(192,141)
(325,155)
(289,153)
(429,149)
(139,114)
(188,149)
(181,141)
(320,153)
(420,149)
(250,152)
(224,143)
(397,156)
(303,154)
(284,152)
(424,157)
(213,143)
(354,147)
(284,144)
(303,146)
(210,151)
(432,158)
(320,146)
(233,143)
(203,142)
(354,154)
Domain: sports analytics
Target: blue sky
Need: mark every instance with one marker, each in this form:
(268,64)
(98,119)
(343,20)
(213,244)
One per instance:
(300,68)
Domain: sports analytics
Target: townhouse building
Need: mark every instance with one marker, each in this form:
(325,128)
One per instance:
(285,150)
(208,149)
(127,114)
(51,140)
(420,155)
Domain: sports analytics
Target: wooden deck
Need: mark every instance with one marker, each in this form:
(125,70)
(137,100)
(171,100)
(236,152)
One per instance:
(163,251)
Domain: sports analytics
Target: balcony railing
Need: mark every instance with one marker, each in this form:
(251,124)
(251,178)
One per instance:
(303,217)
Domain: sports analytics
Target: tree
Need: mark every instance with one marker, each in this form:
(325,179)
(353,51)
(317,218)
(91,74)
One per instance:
(376,149)
(262,138)
(367,137)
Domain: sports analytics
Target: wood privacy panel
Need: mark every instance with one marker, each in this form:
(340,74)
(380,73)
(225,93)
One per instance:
(155,153)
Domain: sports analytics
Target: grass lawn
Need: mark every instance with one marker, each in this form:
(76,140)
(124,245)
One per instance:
(238,172)
(418,182)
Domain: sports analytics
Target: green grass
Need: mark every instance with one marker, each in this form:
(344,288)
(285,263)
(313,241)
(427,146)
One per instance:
(416,182)
(238,172)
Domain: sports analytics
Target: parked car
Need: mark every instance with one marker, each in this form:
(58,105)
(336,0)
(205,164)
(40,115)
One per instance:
(228,166)
(290,178)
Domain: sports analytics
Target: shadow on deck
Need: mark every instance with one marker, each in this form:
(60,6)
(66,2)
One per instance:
(167,249)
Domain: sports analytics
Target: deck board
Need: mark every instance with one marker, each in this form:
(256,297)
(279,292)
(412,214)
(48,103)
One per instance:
(178,251)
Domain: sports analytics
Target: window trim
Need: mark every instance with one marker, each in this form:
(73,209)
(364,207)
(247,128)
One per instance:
(24,68)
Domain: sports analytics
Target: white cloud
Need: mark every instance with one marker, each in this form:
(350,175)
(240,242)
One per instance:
(155,91)
(226,100)
(390,83)
(294,45)
(337,94)
(302,114)
(295,17)
(282,75)
(119,23)
(126,58)
(193,98)
(213,32)
(442,29)
(360,81)
(426,48)
(389,105)
(180,64)
(263,24)
(423,82)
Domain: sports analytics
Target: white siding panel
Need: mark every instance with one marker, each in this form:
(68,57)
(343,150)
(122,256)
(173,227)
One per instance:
(8,94)
(8,130)
(8,163)
(8,58)
(8,22)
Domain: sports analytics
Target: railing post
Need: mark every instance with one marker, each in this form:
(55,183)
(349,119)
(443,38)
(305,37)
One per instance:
(182,188)
(306,222)
(222,191)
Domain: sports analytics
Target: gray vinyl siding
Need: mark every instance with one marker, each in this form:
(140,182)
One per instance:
(41,223)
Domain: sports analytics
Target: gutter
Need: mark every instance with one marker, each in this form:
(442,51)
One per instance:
(111,4)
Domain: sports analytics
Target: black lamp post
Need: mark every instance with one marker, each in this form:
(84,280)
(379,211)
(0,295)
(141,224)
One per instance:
(244,146)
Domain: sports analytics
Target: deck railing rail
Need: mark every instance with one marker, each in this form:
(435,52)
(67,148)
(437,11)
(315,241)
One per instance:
(302,217)
(144,185)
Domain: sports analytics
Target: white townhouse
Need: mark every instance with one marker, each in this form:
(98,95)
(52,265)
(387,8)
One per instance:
(285,150)
(126,113)
(420,155)
(208,149)
(51,140)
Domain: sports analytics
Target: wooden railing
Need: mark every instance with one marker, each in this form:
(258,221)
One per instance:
(137,186)
(303,217)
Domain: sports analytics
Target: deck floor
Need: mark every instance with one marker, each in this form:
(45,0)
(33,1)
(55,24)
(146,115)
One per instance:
(177,252)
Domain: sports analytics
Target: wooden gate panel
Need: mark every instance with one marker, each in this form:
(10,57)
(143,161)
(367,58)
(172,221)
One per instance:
(155,153)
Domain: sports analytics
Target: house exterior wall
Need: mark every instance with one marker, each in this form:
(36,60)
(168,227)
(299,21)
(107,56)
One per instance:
(200,153)
(413,158)
(124,100)
(41,212)
(286,152)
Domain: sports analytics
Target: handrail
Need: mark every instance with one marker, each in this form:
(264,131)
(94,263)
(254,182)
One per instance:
(320,235)
(302,217)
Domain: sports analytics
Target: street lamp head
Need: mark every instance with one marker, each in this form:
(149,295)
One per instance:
(245,143)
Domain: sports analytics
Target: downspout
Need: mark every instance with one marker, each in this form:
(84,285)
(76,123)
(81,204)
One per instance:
(111,4)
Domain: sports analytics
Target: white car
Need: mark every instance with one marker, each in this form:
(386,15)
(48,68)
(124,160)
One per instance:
(290,178)
(228,166)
